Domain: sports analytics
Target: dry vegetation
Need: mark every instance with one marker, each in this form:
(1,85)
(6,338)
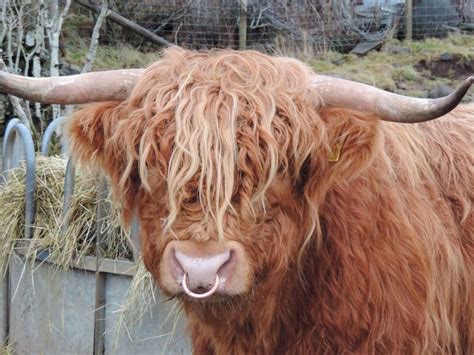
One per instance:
(63,237)
(7,349)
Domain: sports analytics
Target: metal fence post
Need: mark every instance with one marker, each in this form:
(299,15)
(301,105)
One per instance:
(69,180)
(100,277)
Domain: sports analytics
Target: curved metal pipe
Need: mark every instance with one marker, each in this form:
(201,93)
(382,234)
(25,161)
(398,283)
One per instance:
(134,240)
(69,179)
(17,129)
(48,134)
(8,148)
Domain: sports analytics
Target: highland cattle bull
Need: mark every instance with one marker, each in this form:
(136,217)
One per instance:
(278,205)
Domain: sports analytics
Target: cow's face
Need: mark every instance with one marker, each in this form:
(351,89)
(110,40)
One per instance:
(256,246)
(222,157)
(221,204)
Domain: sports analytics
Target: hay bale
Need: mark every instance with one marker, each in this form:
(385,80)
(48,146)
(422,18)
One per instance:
(62,244)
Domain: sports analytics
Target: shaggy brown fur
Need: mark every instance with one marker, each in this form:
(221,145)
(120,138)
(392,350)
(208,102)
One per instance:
(372,254)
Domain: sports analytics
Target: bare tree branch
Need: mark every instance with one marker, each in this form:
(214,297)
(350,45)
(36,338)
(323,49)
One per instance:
(95,37)
(3,20)
(20,33)
(56,19)
(179,13)
(126,23)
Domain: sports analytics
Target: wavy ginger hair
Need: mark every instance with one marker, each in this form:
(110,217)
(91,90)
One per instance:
(167,105)
(236,145)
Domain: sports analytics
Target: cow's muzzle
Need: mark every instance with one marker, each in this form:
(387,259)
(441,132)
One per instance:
(202,269)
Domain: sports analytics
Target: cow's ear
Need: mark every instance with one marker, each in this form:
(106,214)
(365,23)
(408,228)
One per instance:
(99,138)
(89,131)
(351,140)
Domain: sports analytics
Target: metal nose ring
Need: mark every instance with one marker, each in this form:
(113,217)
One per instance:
(199,295)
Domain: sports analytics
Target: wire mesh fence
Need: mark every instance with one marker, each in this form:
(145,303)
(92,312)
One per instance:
(33,43)
(301,24)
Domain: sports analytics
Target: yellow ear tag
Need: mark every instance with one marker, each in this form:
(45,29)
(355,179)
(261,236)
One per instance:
(335,153)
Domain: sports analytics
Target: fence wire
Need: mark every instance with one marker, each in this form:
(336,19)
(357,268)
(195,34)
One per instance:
(31,43)
(271,24)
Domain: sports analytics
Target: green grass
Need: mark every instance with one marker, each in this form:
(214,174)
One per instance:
(400,72)
(462,45)
(113,57)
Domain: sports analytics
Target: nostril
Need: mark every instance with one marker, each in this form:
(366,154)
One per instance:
(223,271)
(207,264)
(199,272)
(176,264)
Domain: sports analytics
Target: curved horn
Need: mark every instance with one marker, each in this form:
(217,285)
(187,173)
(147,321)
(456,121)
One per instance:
(388,106)
(112,85)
